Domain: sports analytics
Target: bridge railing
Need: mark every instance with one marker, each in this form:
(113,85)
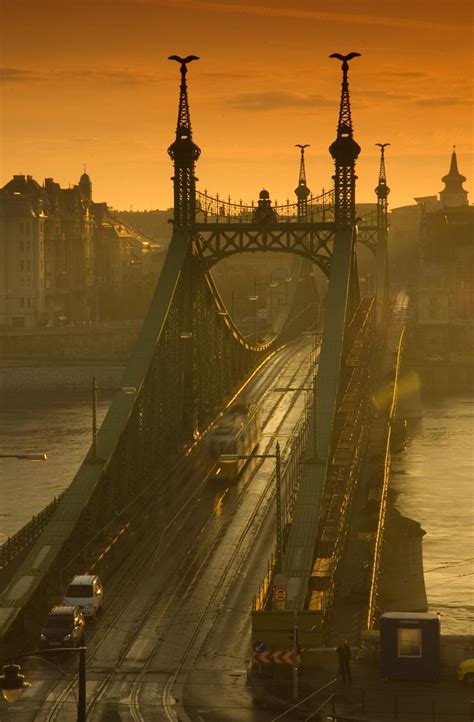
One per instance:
(16,544)
(372,612)
(219,209)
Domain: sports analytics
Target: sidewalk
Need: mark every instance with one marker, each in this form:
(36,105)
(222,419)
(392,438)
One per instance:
(368,698)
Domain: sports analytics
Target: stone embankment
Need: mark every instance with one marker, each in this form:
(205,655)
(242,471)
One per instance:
(66,357)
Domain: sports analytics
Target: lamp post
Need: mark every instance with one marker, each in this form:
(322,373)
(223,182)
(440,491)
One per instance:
(254,298)
(127,390)
(277,457)
(273,284)
(12,682)
(27,457)
(288,280)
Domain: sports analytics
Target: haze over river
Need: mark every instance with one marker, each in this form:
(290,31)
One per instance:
(434,478)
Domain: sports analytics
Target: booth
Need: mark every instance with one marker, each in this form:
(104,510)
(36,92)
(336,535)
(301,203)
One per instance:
(409,645)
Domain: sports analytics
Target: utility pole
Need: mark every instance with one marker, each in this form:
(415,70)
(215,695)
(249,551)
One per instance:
(279,535)
(295,656)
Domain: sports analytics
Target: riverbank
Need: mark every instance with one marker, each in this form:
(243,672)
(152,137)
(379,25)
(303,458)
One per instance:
(60,379)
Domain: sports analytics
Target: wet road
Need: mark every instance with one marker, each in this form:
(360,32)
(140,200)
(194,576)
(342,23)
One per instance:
(176,626)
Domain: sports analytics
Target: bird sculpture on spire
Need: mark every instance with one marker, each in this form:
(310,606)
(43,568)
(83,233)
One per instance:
(183,61)
(345,58)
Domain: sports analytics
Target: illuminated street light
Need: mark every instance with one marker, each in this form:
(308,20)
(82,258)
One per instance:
(235,457)
(12,682)
(126,390)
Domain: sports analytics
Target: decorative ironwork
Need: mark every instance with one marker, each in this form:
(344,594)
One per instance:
(302,191)
(220,209)
(312,241)
(345,151)
(382,190)
(184,153)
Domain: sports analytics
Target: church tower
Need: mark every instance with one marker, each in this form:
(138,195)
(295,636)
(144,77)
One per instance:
(453,195)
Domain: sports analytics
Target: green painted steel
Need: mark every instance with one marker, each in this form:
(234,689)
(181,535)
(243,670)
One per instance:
(300,548)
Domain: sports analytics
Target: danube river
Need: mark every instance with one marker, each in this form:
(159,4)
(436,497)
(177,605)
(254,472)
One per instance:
(434,480)
(433,477)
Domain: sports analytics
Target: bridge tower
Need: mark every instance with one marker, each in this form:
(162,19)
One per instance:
(184,154)
(382,190)
(381,254)
(302,191)
(345,152)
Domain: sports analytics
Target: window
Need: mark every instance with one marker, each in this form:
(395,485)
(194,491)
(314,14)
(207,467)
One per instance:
(22,265)
(409,642)
(22,303)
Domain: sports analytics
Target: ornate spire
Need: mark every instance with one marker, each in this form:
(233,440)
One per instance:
(345,151)
(302,191)
(184,154)
(382,190)
(453,193)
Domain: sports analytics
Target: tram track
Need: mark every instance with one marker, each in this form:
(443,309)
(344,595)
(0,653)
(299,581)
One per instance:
(157,553)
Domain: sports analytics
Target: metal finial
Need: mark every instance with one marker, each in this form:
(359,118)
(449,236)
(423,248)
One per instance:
(345,58)
(183,61)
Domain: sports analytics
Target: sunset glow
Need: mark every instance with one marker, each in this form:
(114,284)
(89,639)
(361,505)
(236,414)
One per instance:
(90,84)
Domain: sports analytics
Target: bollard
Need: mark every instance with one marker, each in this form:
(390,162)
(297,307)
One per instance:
(433,710)
(472,711)
(396,706)
(333,706)
(362,701)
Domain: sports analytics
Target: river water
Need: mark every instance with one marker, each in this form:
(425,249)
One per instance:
(433,476)
(434,479)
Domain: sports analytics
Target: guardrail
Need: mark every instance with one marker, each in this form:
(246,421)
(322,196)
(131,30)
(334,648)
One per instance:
(25,536)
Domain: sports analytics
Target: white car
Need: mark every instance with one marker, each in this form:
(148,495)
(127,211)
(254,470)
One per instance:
(85,591)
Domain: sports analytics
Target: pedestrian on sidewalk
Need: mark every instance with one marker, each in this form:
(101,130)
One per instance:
(344,654)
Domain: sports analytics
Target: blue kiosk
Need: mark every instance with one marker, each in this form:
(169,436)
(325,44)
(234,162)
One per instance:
(409,645)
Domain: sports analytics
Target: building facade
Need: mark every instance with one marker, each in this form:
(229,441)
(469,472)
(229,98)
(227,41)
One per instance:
(61,251)
(445,293)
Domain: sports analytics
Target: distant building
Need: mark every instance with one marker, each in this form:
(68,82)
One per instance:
(23,204)
(445,293)
(60,251)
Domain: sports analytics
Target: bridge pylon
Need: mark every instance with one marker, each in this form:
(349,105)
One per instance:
(302,191)
(381,254)
(184,153)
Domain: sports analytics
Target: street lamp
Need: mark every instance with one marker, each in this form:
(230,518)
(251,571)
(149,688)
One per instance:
(277,457)
(288,280)
(27,457)
(273,284)
(12,682)
(126,390)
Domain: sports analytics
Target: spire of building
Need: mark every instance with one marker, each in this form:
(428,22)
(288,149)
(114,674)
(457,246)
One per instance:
(302,191)
(345,151)
(184,154)
(85,185)
(453,194)
(382,190)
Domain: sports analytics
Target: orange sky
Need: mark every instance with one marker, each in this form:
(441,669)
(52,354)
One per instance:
(89,82)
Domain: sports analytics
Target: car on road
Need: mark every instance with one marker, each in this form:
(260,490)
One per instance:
(466,671)
(85,591)
(63,627)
